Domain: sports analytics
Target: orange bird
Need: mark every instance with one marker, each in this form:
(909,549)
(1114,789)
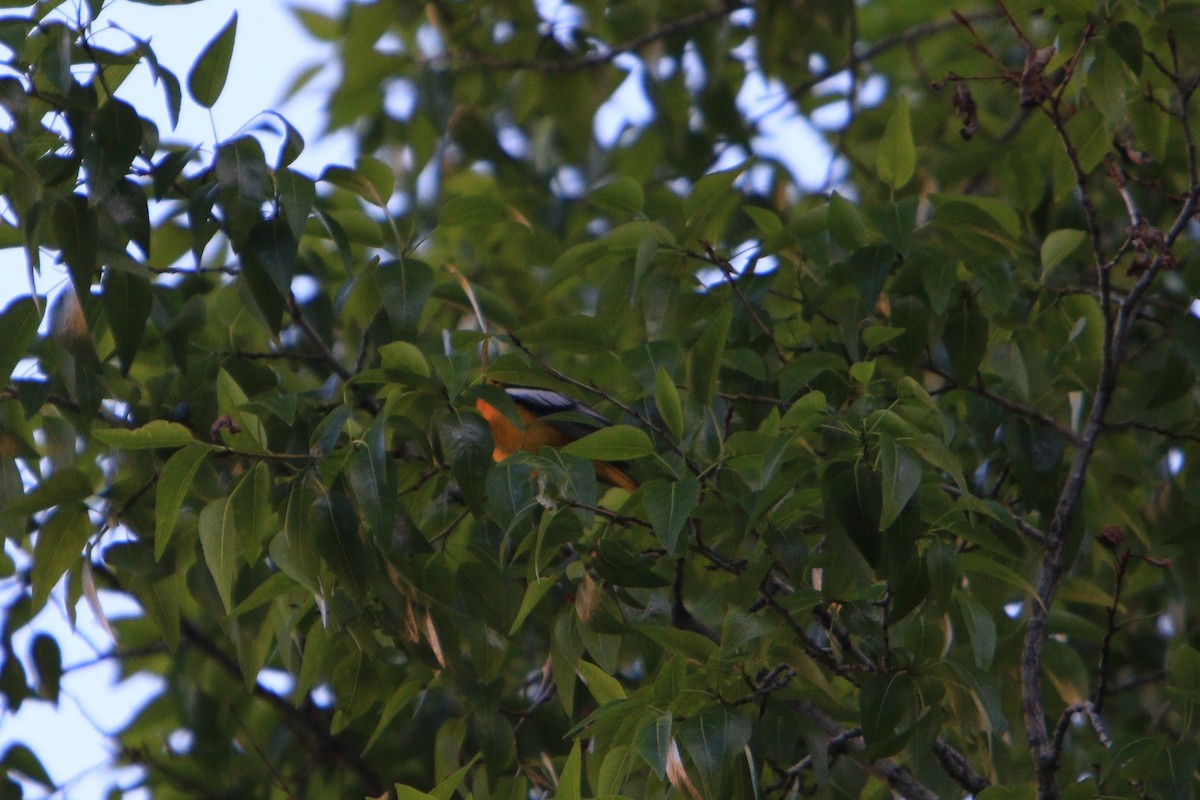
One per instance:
(539,429)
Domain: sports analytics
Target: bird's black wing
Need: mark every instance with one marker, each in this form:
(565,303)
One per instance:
(568,415)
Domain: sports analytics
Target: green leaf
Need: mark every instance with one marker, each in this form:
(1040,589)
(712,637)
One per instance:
(622,196)
(853,494)
(127,302)
(218,540)
(707,193)
(614,443)
(966,338)
(713,739)
(617,565)
(243,185)
(534,593)
(207,77)
(340,543)
(150,436)
(896,157)
(901,475)
(980,626)
(174,482)
(886,704)
(62,487)
(76,229)
(570,782)
(249,501)
(668,505)
(296,193)
(1057,246)
(269,254)
(604,687)
(404,287)
(467,441)
(846,224)
(370,473)
(405,358)
(704,368)
(18,330)
(47,660)
(59,546)
(666,398)
(473,210)
(371,179)
(1126,40)
(294,549)
(19,759)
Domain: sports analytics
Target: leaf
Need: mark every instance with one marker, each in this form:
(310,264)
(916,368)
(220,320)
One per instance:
(75,227)
(59,545)
(1057,246)
(853,494)
(666,398)
(617,565)
(966,337)
(127,301)
(150,436)
(570,782)
(896,156)
(1126,40)
(174,483)
(206,79)
(370,474)
(218,540)
(886,704)
(604,687)
(18,331)
(534,593)
(404,288)
(371,179)
(296,193)
(621,196)
(473,210)
(713,739)
(336,532)
(249,501)
(62,487)
(704,367)
(19,759)
(47,660)
(614,443)
(901,475)
(668,505)
(846,224)
(243,185)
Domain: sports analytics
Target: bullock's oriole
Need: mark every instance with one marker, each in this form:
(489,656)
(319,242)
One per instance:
(540,429)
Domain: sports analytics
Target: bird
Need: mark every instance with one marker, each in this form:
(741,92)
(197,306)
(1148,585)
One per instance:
(540,429)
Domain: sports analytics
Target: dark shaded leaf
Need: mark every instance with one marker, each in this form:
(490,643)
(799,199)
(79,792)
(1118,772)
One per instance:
(206,79)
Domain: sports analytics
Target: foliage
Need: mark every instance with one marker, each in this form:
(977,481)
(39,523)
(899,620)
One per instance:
(916,450)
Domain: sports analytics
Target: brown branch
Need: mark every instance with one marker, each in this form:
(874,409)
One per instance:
(907,38)
(309,331)
(1122,564)
(595,59)
(1004,402)
(955,765)
(710,257)
(1042,747)
(898,779)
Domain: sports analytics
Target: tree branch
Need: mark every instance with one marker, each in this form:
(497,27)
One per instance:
(603,55)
